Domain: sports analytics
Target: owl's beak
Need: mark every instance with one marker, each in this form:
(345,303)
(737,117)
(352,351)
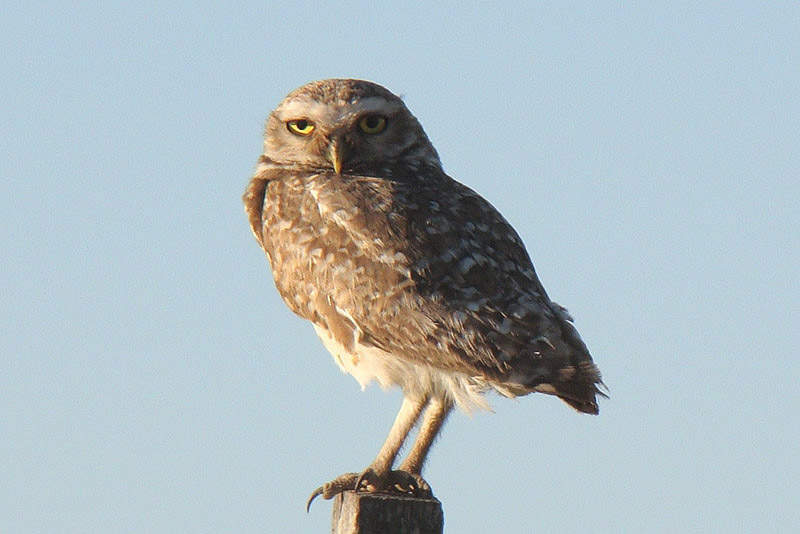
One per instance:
(336,154)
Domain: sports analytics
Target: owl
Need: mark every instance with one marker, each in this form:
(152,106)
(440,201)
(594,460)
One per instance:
(409,278)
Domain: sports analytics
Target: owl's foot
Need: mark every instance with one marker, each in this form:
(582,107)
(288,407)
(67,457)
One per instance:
(395,482)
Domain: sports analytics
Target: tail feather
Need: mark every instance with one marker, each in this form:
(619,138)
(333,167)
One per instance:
(582,389)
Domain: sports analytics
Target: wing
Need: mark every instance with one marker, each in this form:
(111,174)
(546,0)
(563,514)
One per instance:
(424,268)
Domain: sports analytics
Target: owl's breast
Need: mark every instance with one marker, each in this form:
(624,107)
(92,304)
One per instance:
(328,243)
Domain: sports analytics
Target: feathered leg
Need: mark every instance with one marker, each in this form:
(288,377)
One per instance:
(432,422)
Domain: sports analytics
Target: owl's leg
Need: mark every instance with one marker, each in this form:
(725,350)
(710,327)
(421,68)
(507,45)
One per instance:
(409,475)
(406,418)
(375,477)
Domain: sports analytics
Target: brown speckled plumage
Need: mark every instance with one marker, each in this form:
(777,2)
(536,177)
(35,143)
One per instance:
(404,271)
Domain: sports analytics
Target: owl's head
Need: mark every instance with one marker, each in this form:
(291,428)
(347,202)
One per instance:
(345,126)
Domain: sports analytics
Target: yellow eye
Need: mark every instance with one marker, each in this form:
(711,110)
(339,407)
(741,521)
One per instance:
(372,124)
(300,126)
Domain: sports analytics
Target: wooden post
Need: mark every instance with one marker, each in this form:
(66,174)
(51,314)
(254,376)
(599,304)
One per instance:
(371,513)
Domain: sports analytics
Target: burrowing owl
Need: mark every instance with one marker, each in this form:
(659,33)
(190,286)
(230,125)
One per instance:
(409,277)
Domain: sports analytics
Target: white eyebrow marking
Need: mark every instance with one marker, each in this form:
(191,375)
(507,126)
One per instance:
(331,114)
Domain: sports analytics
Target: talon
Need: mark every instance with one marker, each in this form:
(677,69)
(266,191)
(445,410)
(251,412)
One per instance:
(359,481)
(316,493)
(331,489)
(364,479)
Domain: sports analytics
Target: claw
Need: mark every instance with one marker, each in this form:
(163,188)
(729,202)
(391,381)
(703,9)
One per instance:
(364,478)
(331,489)
(316,493)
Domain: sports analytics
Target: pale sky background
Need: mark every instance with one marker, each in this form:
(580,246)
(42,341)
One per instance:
(151,379)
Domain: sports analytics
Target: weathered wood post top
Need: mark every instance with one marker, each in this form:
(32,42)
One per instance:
(380,513)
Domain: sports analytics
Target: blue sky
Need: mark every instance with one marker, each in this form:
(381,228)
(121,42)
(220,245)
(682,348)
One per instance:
(151,379)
